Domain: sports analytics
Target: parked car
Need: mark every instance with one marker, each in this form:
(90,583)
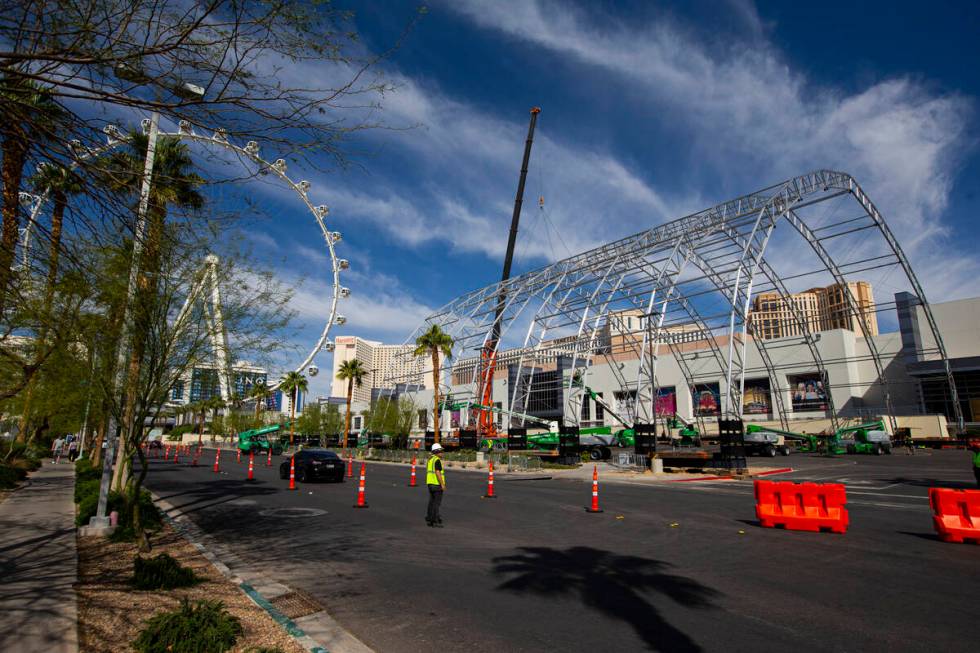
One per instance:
(315,465)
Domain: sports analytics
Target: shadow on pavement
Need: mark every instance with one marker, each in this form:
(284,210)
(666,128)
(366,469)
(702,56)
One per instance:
(220,491)
(925,536)
(610,583)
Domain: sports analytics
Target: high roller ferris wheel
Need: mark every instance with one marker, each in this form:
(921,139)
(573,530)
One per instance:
(115,137)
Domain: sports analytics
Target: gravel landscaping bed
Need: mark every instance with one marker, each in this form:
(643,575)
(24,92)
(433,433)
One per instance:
(111,613)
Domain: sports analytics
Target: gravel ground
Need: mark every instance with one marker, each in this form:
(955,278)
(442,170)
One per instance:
(111,613)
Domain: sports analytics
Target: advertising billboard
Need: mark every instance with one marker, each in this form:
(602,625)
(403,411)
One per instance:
(707,399)
(666,400)
(808,391)
(757,400)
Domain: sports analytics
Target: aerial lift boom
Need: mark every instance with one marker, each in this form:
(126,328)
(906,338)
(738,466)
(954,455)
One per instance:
(488,353)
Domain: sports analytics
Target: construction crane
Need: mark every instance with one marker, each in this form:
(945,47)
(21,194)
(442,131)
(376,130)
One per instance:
(488,353)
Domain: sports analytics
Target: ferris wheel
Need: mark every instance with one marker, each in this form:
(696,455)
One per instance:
(115,137)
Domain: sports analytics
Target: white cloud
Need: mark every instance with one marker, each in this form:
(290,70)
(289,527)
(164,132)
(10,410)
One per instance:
(754,120)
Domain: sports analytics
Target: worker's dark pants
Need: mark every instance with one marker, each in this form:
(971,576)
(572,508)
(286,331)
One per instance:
(435,500)
(976,475)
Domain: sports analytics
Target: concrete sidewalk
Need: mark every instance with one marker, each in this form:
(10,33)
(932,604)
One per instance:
(38,564)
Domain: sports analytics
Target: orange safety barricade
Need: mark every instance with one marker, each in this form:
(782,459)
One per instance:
(956,514)
(811,507)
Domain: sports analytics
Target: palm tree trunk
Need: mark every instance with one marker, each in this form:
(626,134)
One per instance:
(435,392)
(292,416)
(350,393)
(15,147)
(200,433)
(54,251)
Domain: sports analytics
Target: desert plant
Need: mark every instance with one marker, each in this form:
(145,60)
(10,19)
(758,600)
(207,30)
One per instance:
(199,627)
(161,572)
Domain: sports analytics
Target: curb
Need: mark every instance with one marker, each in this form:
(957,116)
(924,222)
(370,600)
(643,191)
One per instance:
(342,640)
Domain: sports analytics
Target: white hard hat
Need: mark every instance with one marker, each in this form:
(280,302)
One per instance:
(437,447)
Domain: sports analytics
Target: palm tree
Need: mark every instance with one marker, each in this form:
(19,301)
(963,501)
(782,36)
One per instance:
(259,391)
(432,342)
(60,182)
(293,383)
(172,185)
(29,116)
(353,372)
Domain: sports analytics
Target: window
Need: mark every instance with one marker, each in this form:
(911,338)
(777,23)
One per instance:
(177,392)
(600,413)
(586,413)
(423,418)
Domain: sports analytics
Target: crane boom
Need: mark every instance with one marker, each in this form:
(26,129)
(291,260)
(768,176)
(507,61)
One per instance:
(488,353)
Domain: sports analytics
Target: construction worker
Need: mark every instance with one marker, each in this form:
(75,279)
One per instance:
(436,482)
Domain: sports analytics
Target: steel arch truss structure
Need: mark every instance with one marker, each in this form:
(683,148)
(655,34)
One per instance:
(690,284)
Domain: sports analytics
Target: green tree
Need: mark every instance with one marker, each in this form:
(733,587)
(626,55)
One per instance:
(353,372)
(311,421)
(292,383)
(333,422)
(432,343)
(214,404)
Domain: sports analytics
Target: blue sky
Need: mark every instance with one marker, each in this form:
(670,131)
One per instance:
(649,111)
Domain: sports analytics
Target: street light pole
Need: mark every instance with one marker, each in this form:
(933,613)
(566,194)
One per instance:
(101,519)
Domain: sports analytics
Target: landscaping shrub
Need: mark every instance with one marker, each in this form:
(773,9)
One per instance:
(201,627)
(84,471)
(149,515)
(10,476)
(87,498)
(178,431)
(161,572)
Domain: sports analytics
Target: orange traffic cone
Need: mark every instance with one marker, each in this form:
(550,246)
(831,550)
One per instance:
(166,454)
(217,459)
(251,465)
(360,490)
(411,483)
(268,462)
(292,472)
(176,454)
(489,494)
(595,490)
(239,456)
(350,465)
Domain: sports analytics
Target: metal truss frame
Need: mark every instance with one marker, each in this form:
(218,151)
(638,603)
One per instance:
(698,274)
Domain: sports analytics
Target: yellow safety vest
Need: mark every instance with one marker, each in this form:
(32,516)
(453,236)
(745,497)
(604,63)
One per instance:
(430,471)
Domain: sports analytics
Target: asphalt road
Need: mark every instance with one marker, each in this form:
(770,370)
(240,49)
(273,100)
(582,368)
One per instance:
(671,567)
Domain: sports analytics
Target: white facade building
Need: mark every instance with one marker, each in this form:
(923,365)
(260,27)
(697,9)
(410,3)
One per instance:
(381,361)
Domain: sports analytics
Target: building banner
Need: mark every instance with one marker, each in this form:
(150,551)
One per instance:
(757,399)
(809,392)
(667,400)
(707,399)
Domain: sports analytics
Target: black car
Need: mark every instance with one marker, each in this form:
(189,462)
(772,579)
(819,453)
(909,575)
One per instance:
(315,465)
